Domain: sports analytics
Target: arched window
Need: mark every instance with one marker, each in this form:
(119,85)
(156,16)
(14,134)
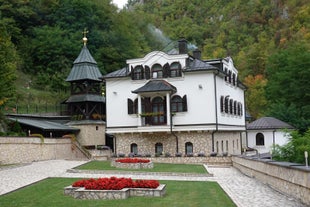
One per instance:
(188,147)
(138,73)
(157,71)
(175,70)
(260,140)
(134,148)
(239,109)
(217,146)
(222,104)
(226,145)
(231,105)
(159,148)
(229,76)
(226,74)
(226,104)
(234,79)
(176,104)
(222,146)
(158,106)
(235,107)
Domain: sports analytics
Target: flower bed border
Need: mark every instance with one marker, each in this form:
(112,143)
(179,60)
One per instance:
(82,193)
(148,165)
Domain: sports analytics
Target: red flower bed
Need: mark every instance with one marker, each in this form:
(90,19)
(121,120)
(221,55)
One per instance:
(114,183)
(132,160)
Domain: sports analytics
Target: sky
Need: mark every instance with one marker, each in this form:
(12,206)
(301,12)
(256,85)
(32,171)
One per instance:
(120,3)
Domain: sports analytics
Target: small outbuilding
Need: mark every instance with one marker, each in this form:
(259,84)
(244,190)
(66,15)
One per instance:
(265,132)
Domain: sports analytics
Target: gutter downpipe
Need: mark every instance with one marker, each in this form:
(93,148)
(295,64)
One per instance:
(216,119)
(171,131)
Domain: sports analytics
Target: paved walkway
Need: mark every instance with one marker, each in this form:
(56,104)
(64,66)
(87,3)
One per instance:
(244,191)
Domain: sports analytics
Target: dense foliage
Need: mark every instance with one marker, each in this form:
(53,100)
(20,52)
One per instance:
(294,150)
(268,40)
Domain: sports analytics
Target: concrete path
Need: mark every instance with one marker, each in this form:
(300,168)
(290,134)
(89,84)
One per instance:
(244,191)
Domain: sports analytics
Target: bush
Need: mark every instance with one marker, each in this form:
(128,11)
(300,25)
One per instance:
(201,154)
(213,154)
(294,150)
(178,154)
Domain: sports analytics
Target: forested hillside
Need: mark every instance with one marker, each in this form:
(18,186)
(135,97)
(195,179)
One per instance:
(269,41)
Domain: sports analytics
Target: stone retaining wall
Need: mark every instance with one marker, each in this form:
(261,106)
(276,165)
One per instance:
(81,193)
(28,149)
(148,165)
(290,180)
(219,160)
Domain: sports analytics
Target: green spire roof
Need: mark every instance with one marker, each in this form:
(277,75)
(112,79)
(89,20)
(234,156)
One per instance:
(84,67)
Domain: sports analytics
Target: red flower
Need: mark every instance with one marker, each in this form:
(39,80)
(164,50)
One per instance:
(132,160)
(114,183)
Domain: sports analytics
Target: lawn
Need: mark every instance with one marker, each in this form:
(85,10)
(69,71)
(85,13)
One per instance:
(158,167)
(49,193)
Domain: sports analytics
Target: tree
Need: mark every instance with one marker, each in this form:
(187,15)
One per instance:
(8,65)
(294,150)
(255,95)
(288,84)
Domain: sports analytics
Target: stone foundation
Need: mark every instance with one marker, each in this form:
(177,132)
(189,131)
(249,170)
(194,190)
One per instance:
(81,193)
(148,165)
(224,142)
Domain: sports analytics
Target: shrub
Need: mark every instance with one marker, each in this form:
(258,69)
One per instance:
(201,154)
(178,154)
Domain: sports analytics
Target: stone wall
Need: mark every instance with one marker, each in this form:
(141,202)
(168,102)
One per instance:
(202,142)
(28,149)
(290,180)
(220,161)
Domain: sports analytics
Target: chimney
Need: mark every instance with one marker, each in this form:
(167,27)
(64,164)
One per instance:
(182,46)
(197,54)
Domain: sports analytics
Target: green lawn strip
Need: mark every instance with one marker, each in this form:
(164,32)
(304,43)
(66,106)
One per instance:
(49,192)
(158,167)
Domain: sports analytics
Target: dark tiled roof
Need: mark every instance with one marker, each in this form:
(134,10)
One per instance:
(118,73)
(84,67)
(85,57)
(85,97)
(269,123)
(84,71)
(198,65)
(44,125)
(155,86)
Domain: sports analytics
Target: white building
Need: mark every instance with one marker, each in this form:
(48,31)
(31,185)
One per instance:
(175,103)
(266,132)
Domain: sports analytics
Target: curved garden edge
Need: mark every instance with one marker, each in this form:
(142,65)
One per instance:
(81,193)
(139,165)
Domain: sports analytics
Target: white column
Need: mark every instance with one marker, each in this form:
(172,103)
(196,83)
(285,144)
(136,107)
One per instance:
(139,110)
(168,108)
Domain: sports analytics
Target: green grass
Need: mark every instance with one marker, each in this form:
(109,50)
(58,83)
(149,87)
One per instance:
(49,193)
(158,167)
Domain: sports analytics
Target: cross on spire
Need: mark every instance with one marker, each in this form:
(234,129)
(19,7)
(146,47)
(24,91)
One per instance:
(84,34)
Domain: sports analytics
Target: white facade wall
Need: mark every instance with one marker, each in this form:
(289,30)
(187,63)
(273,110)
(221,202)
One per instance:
(202,123)
(270,137)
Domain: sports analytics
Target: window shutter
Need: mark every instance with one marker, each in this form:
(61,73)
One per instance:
(166,71)
(130,106)
(147,72)
(184,100)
